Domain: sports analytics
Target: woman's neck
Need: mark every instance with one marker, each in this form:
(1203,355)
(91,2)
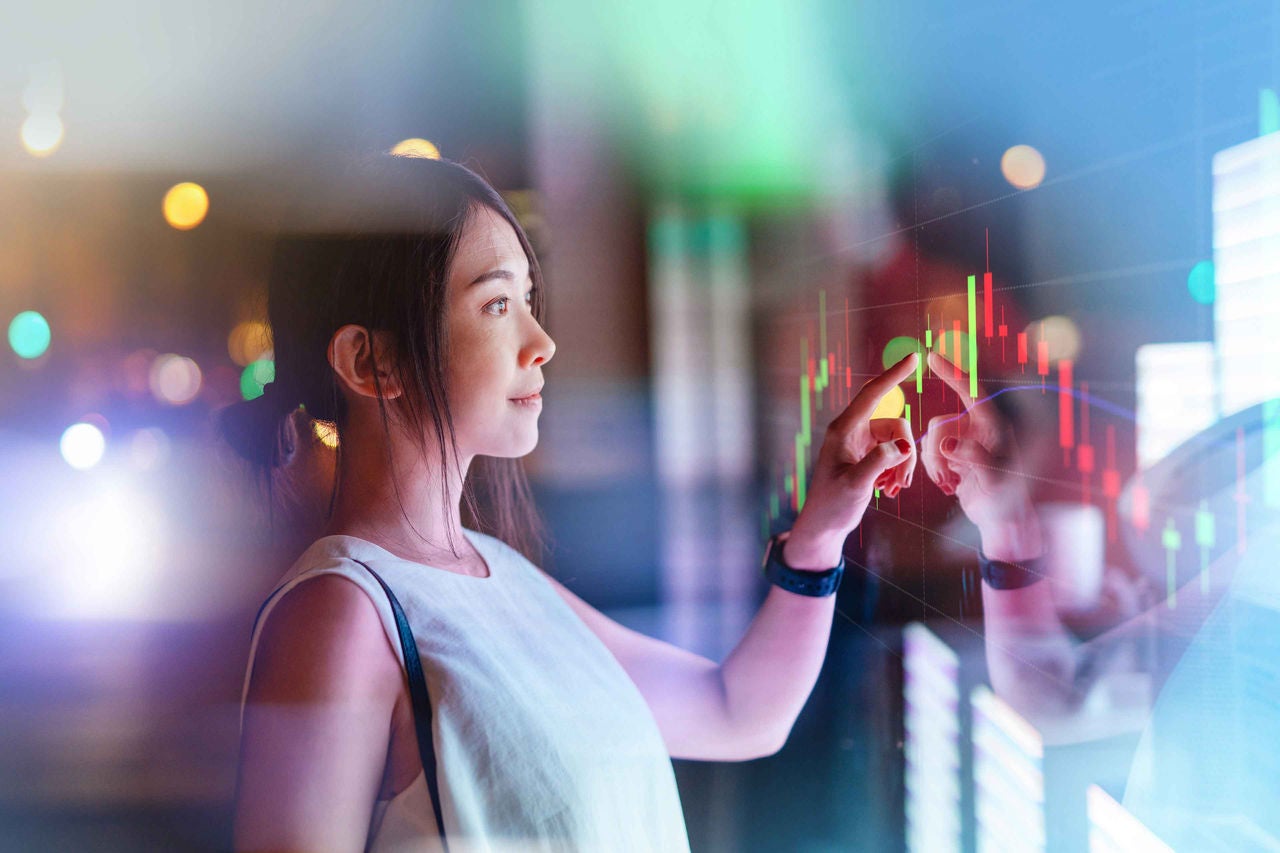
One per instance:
(398,502)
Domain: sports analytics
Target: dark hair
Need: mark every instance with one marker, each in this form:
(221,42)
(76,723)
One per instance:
(395,280)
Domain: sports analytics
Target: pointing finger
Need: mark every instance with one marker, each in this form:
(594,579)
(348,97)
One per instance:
(864,404)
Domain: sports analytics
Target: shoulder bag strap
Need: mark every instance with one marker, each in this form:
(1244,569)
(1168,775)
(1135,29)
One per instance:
(421,702)
(417,691)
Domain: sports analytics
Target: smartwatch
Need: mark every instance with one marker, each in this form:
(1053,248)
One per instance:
(1001,575)
(817,584)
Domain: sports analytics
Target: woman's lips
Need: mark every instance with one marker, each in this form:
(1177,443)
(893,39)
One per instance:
(531,400)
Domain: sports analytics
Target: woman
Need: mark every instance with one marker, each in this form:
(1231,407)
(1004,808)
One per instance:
(552,725)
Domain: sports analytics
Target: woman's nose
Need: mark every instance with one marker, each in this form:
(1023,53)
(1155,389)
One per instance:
(539,349)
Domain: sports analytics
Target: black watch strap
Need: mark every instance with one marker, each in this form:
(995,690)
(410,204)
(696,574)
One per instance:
(1001,575)
(816,584)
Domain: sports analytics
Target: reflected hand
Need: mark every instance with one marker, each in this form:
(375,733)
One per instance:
(859,454)
(974,456)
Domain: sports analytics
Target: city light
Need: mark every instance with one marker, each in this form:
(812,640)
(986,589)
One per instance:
(107,549)
(891,405)
(175,379)
(29,334)
(1061,334)
(42,134)
(149,449)
(1023,166)
(255,377)
(248,342)
(185,205)
(416,147)
(82,445)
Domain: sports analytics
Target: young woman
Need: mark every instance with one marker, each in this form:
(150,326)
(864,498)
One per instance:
(552,725)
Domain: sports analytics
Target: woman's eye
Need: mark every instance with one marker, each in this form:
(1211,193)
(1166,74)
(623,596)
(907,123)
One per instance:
(500,304)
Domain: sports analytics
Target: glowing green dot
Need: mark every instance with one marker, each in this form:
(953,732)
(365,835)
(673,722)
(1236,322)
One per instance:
(898,349)
(1200,283)
(29,334)
(255,377)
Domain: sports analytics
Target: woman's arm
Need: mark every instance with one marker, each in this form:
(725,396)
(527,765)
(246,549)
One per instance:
(317,721)
(744,707)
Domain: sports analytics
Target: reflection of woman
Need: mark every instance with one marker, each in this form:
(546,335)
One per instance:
(1203,775)
(551,724)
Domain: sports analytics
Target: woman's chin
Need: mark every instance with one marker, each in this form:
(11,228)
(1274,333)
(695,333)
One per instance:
(515,449)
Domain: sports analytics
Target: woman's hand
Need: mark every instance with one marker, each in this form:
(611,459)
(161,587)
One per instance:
(859,454)
(973,456)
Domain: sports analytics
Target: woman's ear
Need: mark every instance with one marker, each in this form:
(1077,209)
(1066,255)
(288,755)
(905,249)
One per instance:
(356,354)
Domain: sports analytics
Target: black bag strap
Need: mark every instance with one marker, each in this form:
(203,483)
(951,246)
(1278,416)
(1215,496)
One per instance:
(417,692)
(421,702)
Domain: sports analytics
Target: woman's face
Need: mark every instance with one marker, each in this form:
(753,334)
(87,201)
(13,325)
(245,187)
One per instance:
(496,347)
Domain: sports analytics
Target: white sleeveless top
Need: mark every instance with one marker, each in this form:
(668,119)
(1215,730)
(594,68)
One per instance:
(542,740)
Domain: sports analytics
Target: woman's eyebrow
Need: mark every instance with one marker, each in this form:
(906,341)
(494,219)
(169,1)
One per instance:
(491,275)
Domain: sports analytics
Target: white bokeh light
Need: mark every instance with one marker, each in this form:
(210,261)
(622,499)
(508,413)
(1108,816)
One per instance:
(149,448)
(175,379)
(107,554)
(82,446)
(42,134)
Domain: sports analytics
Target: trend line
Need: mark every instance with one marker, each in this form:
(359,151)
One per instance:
(1097,402)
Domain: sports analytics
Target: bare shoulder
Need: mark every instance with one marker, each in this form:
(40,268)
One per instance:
(317,722)
(323,641)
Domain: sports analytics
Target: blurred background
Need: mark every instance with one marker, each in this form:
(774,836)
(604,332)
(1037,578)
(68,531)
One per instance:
(743,211)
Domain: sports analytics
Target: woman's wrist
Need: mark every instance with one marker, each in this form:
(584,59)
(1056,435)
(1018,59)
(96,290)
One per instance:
(1014,537)
(813,552)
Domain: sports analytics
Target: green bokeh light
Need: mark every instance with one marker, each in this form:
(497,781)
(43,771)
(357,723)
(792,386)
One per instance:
(898,349)
(29,334)
(254,377)
(1200,282)
(705,102)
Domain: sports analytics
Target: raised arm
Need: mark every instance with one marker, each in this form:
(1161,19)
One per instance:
(745,707)
(317,721)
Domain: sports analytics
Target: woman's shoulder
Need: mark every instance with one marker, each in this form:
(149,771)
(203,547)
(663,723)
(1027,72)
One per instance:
(322,639)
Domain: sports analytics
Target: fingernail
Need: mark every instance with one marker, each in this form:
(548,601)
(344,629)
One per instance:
(949,444)
(903,445)
(946,489)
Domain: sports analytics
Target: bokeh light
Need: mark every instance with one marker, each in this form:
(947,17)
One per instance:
(42,134)
(108,552)
(1200,283)
(891,405)
(416,147)
(954,346)
(149,448)
(248,342)
(134,375)
(175,379)
(256,377)
(29,334)
(82,445)
(1023,166)
(898,349)
(1062,334)
(185,205)
(327,433)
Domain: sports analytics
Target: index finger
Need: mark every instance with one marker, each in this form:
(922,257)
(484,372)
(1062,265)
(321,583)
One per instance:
(864,404)
(956,379)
